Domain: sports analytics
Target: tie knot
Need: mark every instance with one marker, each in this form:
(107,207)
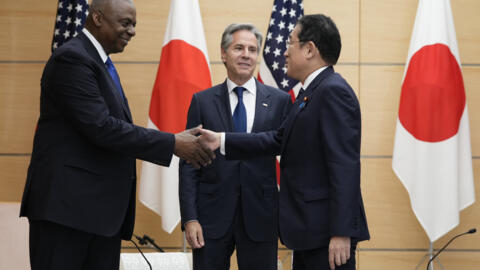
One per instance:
(109,62)
(300,93)
(239,91)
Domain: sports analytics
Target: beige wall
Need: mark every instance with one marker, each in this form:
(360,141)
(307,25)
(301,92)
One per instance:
(375,38)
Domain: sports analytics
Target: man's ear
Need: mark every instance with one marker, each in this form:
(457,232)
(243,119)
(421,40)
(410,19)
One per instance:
(310,49)
(223,55)
(97,18)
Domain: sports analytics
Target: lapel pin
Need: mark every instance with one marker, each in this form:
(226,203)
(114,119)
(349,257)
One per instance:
(304,102)
(265,104)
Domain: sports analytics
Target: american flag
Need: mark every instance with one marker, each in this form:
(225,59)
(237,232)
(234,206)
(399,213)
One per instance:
(71,15)
(273,72)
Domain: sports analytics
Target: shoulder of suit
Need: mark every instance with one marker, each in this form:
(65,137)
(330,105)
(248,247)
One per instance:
(210,91)
(73,50)
(336,86)
(273,90)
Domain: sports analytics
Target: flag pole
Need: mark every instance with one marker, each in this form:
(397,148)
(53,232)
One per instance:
(184,242)
(430,255)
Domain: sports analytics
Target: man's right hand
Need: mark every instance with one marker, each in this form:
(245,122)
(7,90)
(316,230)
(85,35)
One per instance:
(187,147)
(210,139)
(194,234)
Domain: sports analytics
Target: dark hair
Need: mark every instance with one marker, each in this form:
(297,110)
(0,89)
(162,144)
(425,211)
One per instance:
(323,32)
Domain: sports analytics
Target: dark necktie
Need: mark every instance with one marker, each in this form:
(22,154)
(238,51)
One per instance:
(114,75)
(300,94)
(240,113)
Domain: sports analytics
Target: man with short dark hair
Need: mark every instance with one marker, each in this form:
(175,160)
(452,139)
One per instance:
(322,216)
(80,191)
(233,204)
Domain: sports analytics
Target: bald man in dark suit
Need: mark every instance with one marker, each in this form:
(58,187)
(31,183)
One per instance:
(80,191)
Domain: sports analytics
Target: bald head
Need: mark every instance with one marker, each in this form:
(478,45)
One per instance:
(112,23)
(99,4)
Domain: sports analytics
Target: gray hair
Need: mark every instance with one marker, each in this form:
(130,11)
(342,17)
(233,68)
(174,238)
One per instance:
(234,27)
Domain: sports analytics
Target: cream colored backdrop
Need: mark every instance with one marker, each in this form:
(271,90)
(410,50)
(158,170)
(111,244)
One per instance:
(375,36)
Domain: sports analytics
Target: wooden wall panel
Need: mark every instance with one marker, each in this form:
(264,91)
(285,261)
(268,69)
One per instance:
(380,93)
(27,29)
(465,13)
(385,30)
(351,74)
(466,260)
(19,106)
(471,78)
(391,221)
(392,260)
(13,173)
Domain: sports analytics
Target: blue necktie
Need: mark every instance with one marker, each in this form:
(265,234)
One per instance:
(114,75)
(240,113)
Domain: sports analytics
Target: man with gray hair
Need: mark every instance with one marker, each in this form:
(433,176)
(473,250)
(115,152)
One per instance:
(233,204)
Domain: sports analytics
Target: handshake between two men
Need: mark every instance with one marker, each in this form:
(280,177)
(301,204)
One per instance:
(197,150)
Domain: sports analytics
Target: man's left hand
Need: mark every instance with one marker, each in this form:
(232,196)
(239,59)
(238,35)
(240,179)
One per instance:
(338,251)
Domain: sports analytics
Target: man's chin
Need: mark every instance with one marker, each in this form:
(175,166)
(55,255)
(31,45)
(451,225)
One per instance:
(245,73)
(119,49)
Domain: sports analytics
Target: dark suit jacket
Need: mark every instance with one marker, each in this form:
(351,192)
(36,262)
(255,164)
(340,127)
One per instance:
(319,143)
(210,194)
(82,169)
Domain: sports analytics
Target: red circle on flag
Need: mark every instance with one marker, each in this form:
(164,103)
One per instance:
(433,95)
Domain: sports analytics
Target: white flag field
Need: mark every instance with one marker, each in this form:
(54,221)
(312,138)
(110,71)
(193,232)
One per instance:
(432,155)
(182,71)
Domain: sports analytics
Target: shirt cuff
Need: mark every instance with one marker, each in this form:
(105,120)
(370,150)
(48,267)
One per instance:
(222,143)
(192,220)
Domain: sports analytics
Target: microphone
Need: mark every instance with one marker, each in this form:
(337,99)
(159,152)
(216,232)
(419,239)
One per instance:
(148,240)
(474,230)
(140,240)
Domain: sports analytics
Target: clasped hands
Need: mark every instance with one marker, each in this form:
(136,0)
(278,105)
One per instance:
(196,146)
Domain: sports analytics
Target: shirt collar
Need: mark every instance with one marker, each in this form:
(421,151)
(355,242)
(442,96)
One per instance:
(312,76)
(97,45)
(250,85)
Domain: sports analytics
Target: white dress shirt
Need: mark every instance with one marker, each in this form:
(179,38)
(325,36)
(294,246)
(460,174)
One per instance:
(97,45)
(312,77)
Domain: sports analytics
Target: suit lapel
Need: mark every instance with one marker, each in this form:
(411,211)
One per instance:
(299,105)
(222,104)
(289,123)
(262,103)
(92,51)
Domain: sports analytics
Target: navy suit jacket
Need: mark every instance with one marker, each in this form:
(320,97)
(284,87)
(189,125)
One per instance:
(319,144)
(82,170)
(211,194)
